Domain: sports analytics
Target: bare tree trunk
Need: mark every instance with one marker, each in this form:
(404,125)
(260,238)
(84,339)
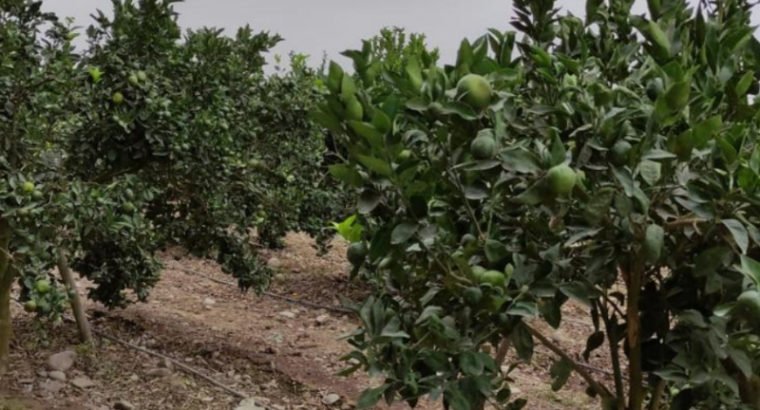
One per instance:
(76,302)
(6,281)
(635,374)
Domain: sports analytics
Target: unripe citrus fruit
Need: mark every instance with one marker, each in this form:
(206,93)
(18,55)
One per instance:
(483,147)
(28,187)
(356,253)
(475,90)
(42,286)
(621,152)
(561,179)
(117,98)
(473,295)
(493,277)
(30,306)
(748,306)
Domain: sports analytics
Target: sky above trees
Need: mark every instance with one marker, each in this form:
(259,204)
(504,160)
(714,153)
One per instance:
(331,26)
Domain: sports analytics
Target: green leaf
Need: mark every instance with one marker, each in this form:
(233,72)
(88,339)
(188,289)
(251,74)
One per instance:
(370,397)
(392,331)
(598,206)
(520,160)
(346,174)
(403,232)
(471,363)
(650,171)
(368,201)
(595,341)
(414,73)
(455,399)
(495,250)
(580,291)
(742,86)
(368,131)
(350,229)
(559,153)
(658,37)
(654,240)
(706,130)
(347,88)
(751,269)
(334,77)
(560,373)
(531,196)
(738,232)
(523,341)
(95,74)
(708,262)
(677,95)
(375,164)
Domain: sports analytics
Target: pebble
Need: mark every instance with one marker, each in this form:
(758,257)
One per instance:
(249,404)
(288,314)
(159,372)
(322,319)
(61,361)
(82,382)
(57,375)
(52,386)
(331,399)
(166,364)
(123,405)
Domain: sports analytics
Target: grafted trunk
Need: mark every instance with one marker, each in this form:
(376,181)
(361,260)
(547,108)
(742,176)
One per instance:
(6,281)
(76,302)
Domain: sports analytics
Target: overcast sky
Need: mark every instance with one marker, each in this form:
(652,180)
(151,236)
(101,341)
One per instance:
(315,27)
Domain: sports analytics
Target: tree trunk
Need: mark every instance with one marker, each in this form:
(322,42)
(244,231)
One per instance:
(635,375)
(6,281)
(76,302)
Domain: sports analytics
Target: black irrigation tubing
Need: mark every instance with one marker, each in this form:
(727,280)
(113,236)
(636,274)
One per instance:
(174,362)
(301,302)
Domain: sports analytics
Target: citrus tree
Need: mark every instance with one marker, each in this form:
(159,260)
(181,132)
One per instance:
(149,138)
(227,155)
(611,161)
(36,63)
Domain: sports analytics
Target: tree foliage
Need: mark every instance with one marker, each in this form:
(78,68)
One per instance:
(611,161)
(148,138)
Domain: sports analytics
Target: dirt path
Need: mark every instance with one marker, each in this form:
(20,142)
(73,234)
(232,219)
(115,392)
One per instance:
(285,356)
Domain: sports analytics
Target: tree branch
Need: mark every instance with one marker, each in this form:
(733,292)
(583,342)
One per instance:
(581,370)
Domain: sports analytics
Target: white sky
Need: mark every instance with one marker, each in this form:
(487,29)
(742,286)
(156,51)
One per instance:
(315,27)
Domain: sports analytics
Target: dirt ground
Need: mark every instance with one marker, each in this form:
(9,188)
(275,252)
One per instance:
(281,355)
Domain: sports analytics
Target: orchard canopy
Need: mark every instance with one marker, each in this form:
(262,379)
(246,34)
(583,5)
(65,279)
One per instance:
(609,162)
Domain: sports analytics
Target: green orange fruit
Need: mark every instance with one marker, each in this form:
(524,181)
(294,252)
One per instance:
(492,277)
(356,253)
(473,295)
(117,98)
(483,147)
(621,151)
(42,286)
(475,90)
(561,179)
(28,187)
(30,306)
(748,306)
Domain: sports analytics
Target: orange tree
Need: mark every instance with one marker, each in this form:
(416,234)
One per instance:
(223,151)
(612,161)
(148,139)
(36,65)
